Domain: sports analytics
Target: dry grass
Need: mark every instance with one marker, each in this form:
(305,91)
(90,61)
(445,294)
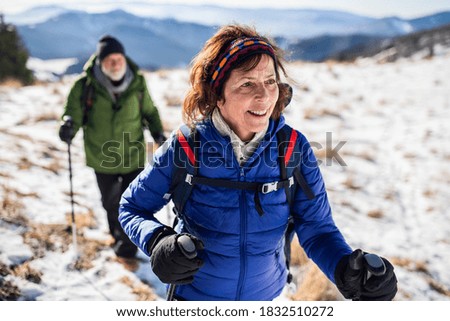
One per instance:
(83,220)
(52,237)
(438,287)
(3,174)
(429,193)
(57,237)
(348,204)
(312,284)
(313,113)
(11,83)
(375,213)
(162,73)
(15,135)
(4,269)
(49,116)
(350,184)
(141,290)
(315,286)
(11,208)
(409,155)
(421,267)
(366,155)
(24,164)
(42,238)
(47,237)
(173,100)
(55,166)
(89,250)
(389,196)
(8,291)
(298,255)
(25,272)
(130,264)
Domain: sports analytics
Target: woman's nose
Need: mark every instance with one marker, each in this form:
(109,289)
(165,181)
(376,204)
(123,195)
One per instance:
(261,92)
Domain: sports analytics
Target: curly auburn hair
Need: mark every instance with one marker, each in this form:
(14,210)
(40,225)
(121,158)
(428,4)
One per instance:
(201,100)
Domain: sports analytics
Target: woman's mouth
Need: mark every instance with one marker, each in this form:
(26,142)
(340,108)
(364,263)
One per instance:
(258,112)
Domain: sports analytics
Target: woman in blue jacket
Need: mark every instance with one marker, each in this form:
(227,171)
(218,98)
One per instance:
(234,107)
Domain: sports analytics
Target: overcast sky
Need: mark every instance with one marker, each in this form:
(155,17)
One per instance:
(375,8)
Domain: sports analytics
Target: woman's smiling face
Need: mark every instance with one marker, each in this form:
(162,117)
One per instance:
(249,98)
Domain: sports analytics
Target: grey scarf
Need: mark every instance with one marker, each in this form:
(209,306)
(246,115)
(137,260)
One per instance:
(242,150)
(106,82)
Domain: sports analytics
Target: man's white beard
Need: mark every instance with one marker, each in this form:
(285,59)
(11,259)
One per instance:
(115,75)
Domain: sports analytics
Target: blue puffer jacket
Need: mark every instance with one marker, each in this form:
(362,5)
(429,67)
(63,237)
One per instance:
(243,255)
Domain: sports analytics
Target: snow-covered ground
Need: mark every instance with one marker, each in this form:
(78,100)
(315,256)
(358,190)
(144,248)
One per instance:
(389,191)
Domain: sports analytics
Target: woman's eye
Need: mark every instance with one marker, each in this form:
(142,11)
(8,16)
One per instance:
(246,84)
(271,81)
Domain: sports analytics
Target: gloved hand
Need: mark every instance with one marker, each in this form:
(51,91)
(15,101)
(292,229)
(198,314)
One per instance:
(170,264)
(353,283)
(66,130)
(159,138)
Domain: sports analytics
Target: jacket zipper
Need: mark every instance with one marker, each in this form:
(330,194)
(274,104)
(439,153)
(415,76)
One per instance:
(242,240)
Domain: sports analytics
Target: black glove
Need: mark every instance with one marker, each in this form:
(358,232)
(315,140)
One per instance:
(66,130)
(170,264)
(159,138)
(353,283)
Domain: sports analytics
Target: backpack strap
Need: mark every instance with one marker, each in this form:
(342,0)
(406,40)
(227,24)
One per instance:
(185,164)
(141,99)
(289,158)
(87,99)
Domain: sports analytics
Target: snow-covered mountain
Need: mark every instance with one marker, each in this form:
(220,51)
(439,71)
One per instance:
(161,35)
(150,42)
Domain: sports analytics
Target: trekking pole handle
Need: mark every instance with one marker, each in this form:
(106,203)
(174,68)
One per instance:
(187,247)
(68,119)
(371,263)
(374,265)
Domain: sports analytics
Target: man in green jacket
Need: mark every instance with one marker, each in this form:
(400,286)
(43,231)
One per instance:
(111,102)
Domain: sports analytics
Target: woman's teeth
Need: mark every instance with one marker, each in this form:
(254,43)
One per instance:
(258,113)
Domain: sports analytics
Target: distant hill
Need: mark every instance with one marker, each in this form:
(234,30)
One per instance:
(150,42)
(322,48)
(364,42)
(404,46)
(158,36)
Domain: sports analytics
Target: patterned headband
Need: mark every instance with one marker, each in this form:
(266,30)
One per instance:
(239,50)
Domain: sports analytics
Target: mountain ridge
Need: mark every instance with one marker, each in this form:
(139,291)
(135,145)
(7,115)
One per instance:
(172,42)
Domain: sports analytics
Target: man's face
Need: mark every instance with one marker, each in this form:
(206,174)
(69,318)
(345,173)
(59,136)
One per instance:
(114,66)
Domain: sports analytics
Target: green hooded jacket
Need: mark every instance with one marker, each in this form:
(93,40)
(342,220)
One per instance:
(114,138)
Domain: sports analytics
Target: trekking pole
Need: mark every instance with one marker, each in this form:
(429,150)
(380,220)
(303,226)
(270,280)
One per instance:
(68,120)
(188,249)
(371,263)
(374,266)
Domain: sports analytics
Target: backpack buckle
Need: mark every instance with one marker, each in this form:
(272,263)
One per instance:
(269,187)
(189,179)
(291,181)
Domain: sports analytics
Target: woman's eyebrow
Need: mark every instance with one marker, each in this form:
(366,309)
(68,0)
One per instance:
(251,78)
